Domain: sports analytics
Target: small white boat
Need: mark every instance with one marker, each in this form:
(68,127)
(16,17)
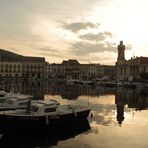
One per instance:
(6,95)
(21,103)
(3,94)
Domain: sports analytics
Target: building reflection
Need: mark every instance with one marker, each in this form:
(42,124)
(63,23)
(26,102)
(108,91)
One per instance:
(70,91)
(130,97)
(35,88)
(41,88)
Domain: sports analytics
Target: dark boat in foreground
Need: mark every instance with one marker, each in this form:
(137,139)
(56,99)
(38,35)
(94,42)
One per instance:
(39,116)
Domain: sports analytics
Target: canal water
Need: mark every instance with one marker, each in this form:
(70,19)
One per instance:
(119,117)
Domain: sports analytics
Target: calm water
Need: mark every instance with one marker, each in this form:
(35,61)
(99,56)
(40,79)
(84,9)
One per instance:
(120,117)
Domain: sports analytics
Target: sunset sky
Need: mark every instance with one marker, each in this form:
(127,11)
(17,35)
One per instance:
(86,30)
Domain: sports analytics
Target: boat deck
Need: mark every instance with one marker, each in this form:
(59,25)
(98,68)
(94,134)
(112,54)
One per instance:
(61,109)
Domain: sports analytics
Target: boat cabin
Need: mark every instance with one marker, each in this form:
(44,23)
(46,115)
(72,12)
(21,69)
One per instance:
(41,108)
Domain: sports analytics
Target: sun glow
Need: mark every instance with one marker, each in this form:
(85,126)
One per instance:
(127,21)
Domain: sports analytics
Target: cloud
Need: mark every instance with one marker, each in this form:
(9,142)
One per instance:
(85,48)
(77,26)
(96,37)
(47,51)
(128,47)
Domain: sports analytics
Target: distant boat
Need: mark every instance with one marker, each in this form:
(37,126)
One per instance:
(88,83)
(21,103)
(42,116)
(6,95)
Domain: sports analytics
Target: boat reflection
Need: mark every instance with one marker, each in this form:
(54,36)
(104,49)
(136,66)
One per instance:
(43,138)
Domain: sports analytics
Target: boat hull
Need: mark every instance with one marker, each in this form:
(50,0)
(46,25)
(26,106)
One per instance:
(9,122)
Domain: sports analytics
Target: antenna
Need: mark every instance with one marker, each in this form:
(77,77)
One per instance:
(133,54)
(89,59)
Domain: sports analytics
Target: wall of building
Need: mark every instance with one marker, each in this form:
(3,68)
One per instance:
(10,69)
(72,69)
(130,70)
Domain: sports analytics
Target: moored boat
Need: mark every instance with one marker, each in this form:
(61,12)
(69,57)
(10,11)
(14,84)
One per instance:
(6,95)
(21,103)
(41,116)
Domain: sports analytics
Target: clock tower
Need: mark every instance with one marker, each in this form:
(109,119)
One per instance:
(121,57)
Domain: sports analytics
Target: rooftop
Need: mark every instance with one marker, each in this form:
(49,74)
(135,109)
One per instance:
(13,57)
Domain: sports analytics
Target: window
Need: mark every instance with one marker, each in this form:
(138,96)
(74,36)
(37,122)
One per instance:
(34,109)
(23,103)
(49,110)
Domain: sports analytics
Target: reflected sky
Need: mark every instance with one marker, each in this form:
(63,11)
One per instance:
(119,115)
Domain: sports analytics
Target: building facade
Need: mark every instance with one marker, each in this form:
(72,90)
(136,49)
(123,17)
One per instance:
(72,69)
(33,67)
(130,70)
(17,66)
(10,69)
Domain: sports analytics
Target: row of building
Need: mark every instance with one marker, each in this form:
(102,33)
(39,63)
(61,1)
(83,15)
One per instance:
(72,69)
(18,66)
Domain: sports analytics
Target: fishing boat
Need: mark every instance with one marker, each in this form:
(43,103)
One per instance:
(40,116)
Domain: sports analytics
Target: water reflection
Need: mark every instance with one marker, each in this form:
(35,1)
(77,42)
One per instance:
(35,88)
(132,98)
(103,113)
(39,88)
(110,108)
(43,139)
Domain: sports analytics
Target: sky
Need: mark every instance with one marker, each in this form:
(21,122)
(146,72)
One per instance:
(86,30)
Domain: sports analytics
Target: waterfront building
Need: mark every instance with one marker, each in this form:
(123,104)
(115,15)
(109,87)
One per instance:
(18,66)
(33,67)
(26,67)
(72,69)
(56,70)
(10,69)
(130,70)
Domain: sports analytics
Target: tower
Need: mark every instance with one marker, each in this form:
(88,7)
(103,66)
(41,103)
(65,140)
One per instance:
(121,57)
